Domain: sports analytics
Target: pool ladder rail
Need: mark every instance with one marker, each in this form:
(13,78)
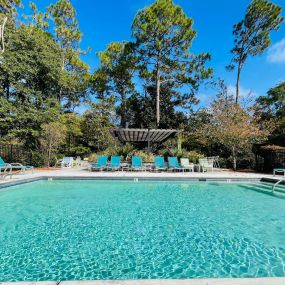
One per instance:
(276,184)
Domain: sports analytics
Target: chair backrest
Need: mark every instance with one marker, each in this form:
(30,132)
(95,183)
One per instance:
(102,160)
(115,160)
(173,162)
(185,162)
(2,162)
(206,162)
(159,162)
(67,160)
(136,161)
(210,162)
(203,161)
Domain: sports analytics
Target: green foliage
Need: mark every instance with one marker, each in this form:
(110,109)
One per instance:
(252,34)
(164,35)
(232,127)
(9,6)
(74,78)
(52,135)
(193,155)
(38,159)
(270,110)
(125,151)
(96,125)
(146,156)
(115,75)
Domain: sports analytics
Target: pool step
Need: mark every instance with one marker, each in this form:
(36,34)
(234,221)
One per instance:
(267,187)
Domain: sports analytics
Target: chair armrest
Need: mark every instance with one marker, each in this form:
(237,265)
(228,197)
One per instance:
(17,164)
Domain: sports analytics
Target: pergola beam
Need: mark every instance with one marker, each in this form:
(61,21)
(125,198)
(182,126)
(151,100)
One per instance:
(143,135)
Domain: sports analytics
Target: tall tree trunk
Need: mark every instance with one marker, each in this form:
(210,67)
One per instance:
(234,158)
(157,98)
(49,155)
(7,87)
(59,96)
(2,40)
(237,83)
(124,109)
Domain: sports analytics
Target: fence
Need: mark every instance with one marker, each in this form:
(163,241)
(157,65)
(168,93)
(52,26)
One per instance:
(269,157)
(15,153)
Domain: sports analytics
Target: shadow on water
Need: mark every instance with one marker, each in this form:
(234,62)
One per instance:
(265,190)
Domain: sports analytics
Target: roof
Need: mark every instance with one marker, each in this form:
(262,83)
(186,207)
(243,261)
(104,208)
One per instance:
(272,147)
(143,135)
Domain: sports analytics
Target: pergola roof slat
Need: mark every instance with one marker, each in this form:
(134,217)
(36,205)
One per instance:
(143,135)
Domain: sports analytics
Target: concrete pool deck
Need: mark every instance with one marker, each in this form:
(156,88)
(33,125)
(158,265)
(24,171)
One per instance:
(83,173)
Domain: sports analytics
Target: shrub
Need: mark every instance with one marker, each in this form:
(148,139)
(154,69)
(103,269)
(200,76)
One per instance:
(125,151)
(93,157)
(146,156)
(38,159)
(192,155)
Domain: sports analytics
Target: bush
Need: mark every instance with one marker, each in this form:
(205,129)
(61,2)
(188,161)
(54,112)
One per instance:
(79,150)
(146,156)
(125,151)
(38,159)
(192,155)
(93,157)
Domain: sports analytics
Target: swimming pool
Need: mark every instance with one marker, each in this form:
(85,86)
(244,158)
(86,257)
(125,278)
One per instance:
(87,230)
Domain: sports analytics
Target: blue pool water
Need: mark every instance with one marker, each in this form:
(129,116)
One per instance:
(74,230)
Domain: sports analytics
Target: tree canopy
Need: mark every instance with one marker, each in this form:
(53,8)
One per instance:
(252,34)
(53,105)
(164,35)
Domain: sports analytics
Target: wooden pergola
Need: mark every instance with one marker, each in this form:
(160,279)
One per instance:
(149,136)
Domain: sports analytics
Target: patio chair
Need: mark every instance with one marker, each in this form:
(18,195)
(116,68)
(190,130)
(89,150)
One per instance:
(173,164)
(67,162)
(115,163)
(137,163)
(186,164)
(101,163)
(78,161)
(206,164)
(5,169)
(159,163)
(278,170)
(17,166)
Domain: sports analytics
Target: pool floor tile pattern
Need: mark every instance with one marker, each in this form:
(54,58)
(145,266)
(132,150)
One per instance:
(237,281)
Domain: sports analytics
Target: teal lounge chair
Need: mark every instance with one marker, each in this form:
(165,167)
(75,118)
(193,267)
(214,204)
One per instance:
(17,166)
(101,163)
(137,163)
(159,163)
(173,164)
(115,163)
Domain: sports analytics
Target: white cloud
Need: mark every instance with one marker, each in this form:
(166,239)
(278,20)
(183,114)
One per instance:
(243,92)
(246,95)
(277,52)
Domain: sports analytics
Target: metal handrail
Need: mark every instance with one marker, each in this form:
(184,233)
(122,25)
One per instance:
(276,184)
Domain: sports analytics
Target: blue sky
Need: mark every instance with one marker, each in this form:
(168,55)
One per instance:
(104,21)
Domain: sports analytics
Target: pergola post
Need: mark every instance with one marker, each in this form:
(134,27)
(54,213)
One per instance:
(148,142)
(179,142)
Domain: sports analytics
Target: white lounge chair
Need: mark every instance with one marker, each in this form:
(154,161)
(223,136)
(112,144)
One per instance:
(78,161)
(186,164)
(66,162)
(5,170)
(206,164)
